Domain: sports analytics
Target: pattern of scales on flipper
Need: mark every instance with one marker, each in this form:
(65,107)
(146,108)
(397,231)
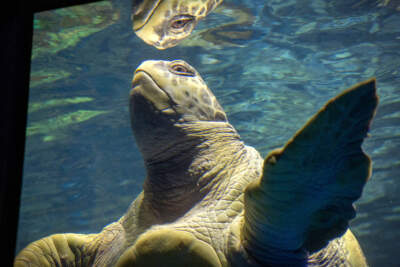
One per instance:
(210,200)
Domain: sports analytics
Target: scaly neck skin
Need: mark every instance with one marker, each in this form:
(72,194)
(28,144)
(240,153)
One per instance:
(182,174)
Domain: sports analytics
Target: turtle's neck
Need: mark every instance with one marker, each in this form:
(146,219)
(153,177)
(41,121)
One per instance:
(182,174)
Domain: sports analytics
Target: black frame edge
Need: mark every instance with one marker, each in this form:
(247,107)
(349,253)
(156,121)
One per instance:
(16,29)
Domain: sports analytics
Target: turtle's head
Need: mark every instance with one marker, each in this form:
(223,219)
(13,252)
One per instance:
(164,23)
(165,95)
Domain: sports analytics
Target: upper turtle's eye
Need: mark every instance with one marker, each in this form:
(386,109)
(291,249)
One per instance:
(181,69)
(181,21)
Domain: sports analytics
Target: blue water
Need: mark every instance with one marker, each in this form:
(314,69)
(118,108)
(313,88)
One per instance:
(270,73)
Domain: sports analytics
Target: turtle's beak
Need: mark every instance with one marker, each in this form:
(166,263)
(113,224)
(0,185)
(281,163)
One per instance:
(145,85)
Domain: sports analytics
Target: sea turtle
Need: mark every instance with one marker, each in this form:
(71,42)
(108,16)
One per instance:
(164,23)
(210,200)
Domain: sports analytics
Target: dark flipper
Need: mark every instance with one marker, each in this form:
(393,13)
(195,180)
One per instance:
(304,198)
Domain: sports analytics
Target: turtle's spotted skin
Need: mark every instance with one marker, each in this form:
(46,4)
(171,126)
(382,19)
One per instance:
(164,23)
(210,200)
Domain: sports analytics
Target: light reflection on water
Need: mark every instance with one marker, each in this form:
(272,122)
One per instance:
(82,172)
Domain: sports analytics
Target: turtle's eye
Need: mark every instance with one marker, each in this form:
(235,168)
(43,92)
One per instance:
(181,69)
(181,21)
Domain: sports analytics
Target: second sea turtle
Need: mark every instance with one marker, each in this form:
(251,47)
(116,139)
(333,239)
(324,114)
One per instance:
(164,23)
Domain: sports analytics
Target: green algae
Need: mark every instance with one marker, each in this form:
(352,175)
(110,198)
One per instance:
(63,28)
(47,76)
(50,126)
(57,102)
(389,3)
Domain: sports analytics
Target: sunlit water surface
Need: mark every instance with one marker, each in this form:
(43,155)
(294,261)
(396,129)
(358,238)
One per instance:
(271,64)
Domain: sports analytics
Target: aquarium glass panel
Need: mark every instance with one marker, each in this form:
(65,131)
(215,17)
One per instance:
(271,65)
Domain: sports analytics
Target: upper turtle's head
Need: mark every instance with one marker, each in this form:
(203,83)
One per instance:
(164,23)
(166,95)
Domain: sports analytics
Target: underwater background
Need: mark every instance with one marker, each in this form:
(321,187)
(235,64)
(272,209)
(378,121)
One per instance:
(271,64)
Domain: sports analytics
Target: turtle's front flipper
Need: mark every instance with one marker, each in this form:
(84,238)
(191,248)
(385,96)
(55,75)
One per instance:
(304,198)
(58,250)
(75,250)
